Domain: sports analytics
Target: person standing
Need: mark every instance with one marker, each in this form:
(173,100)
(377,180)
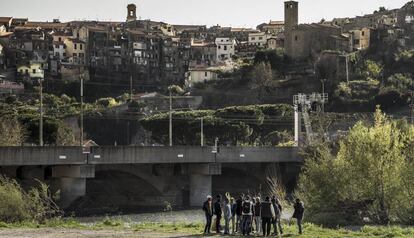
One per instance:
(268,213)
(277,214)
(239,203)
(233,215)
(257,216)
(279,217)
(298,213)
(227,216)
(208,211)
(247,213)
(218,212)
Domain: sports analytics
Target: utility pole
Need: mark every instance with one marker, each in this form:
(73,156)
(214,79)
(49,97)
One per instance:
(347,68)
(81,110)
(41,115)
(170,124)
(202,132)
(130,88)
(412,107)
(323,95)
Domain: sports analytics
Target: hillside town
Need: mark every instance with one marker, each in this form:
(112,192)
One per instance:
(157,53)
(144,128)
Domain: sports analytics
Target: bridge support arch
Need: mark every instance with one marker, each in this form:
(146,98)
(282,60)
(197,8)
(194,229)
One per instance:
(70,180)
(201,181)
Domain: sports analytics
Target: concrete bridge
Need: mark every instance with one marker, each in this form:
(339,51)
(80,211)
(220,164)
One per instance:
(147,176)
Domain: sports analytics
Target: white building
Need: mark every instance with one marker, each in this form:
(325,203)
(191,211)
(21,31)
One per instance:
(200,75)
(59,50)
(258,39)
(225,48)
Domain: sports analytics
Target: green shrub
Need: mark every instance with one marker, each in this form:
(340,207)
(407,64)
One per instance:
(16,205)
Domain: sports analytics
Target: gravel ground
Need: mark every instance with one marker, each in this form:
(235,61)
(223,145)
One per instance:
(187,216)
(74,233)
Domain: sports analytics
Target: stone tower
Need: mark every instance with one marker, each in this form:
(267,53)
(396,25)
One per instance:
(291,14)
(291,22)
(132,12)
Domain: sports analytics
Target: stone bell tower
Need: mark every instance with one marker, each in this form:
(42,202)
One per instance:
(132,12)
(291,22)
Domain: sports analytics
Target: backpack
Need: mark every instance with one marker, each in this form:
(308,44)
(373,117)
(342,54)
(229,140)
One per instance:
(247,207)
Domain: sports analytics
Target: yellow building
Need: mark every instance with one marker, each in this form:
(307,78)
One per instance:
(75,50)
(32,70)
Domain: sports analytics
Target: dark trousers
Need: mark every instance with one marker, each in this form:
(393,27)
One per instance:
(266,225)
(299,221)
(218,221)
(208,224)
(274,224)
(247,224)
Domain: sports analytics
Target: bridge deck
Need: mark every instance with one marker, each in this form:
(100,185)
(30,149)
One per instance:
(18,156)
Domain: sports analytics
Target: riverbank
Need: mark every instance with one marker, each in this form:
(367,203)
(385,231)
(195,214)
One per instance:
(114,228)
(188,223)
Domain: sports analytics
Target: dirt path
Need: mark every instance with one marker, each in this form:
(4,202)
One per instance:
(75,233)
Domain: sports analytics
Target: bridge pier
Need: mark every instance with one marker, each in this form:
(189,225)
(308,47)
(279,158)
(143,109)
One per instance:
(70,180)
(201,181)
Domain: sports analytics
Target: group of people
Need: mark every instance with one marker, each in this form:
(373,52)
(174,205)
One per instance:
(248,215)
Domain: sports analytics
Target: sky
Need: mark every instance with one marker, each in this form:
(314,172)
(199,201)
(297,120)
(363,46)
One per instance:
(235,13)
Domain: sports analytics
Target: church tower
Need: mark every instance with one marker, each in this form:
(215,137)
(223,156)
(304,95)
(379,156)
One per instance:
(132,12)
(291,22)
(291,14)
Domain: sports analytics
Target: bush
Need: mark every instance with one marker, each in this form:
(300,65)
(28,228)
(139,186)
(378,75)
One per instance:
(11,99)
(371,176)
(106,102)
(18,205)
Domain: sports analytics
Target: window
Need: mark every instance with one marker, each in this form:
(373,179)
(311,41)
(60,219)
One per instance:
(81,46)
(34,71)
(296,38)
(205,74)
(253,38)
(363,33)
(75,55)
(225,47)
(60,39)
(219,47)
(75,46)
(27,71)
(260,38)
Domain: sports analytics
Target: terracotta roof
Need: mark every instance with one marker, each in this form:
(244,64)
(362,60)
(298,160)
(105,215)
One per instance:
(5,20)
(276,22)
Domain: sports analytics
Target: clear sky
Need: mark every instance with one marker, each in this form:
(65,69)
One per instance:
(236,13)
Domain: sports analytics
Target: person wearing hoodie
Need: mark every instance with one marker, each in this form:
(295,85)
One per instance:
(208,212)
(247,213)
(257,216)
(298,213)
(268,214)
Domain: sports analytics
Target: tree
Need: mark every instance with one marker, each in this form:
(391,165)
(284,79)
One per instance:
(401,82)
(370,70)
(262,78)
(12,133)
(371,175)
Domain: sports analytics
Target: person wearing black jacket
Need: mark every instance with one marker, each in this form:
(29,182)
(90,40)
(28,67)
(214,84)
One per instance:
(208,211)
(218,212)
(268,213)
(298,213)
(239,209)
